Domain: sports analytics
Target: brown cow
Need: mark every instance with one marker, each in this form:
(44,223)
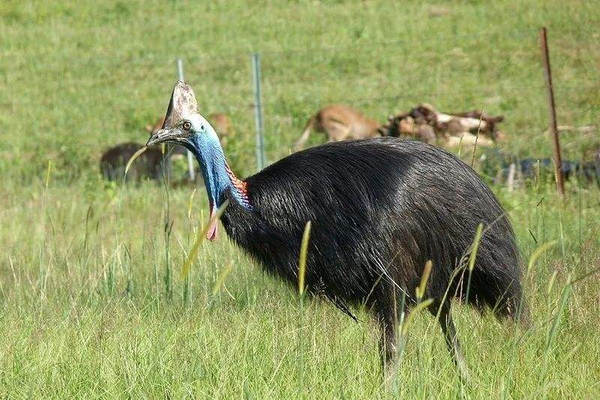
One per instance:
(339,122)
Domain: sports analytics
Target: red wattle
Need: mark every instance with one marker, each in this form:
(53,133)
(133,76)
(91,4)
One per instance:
(213,228)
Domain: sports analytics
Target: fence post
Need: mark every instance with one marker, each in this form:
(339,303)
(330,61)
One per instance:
(560,181)
(258,117)
(190,158)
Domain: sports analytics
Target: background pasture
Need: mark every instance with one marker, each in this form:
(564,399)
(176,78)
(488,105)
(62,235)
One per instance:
(91,299)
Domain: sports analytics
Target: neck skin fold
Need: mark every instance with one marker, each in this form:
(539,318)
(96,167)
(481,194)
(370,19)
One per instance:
(217,175)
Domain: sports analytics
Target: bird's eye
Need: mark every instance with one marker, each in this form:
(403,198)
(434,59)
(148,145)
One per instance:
(187,126)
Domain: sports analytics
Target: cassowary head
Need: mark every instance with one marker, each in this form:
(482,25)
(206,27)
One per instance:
(183,124)
(186,127)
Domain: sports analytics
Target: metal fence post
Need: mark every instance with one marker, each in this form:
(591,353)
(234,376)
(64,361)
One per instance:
(190,158)
(560,181)
(258,117)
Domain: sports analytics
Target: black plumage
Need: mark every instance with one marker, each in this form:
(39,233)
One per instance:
(380,209)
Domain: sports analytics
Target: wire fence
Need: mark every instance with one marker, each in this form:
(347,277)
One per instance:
(270,101)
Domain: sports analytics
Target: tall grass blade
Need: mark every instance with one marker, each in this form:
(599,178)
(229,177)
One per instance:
(538,252)
(424,278)
(48,173)
(191,203)
(473,258)
(476,140)
(221,280)
(551,282)
(185,270)
(302,261)
(563,303)
(168,278)
(416,309)
(532,260)
(552,333)
(301,291)
(132,159)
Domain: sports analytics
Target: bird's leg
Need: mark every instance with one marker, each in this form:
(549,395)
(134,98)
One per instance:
(387,342)
(383,303)
(452,341)
(386,311)
(388,350)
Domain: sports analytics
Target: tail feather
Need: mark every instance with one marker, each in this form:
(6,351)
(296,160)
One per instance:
(501,293)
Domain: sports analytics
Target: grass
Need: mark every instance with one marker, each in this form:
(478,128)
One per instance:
(86,311)
(92,303)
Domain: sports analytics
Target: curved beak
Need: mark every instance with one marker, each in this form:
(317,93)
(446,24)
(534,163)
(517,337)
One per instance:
(162,136)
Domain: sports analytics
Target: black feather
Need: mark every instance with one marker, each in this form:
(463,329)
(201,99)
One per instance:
(380,209)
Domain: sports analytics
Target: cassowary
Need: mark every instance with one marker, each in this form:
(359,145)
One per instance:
(380,209)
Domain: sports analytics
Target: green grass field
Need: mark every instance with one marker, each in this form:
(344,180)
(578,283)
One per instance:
(92,303)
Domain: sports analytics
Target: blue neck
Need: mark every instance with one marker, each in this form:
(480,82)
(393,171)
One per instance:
(218,178)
